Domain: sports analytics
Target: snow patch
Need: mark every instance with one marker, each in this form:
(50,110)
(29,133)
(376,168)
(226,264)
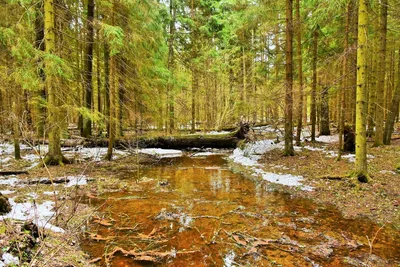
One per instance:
(9,259)
(252,152)
(327,138)
(161,153)
(76,181)
(7,192)
(250,155)
(40,214)
(229,259)
(9,181)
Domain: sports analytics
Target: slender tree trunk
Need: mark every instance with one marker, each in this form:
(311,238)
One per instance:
(195,78)
(361,169)
(112,113)
(289,151)
(314,84)
(394,110)
(16,121)
(344,84)
(324,130)
(88,63)
(54,156)
(41,94)
(381,75)
(300,73)
(121,98)
(171,67)
(107,85)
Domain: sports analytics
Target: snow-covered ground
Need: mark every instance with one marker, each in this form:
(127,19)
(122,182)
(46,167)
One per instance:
(35,154)
(250,155)
(40,214)
(161,153)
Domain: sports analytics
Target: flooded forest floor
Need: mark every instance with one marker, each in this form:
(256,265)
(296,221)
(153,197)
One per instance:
(251,206)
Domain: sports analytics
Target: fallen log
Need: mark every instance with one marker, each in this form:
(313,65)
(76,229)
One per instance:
(228,140)
(5,173)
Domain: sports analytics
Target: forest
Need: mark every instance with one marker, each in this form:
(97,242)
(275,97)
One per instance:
(200,132)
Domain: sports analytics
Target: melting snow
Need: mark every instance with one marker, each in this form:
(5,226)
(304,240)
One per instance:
(229,259)
(252,153)
(76,181)
(40,214)
(7,192)
(8,259)
(9,181)
(161,153)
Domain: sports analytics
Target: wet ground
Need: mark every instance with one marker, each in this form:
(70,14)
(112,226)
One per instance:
(197,212)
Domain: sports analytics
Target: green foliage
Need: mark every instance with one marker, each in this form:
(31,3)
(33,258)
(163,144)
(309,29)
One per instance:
(114,35)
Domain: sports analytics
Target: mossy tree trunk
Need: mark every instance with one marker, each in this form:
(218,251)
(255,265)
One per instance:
(394,110)
(342,93)
(380,100)
(314,84)
(171,68)
(300,73)
(87,81)
(361,169)
(289,151)
(54,156)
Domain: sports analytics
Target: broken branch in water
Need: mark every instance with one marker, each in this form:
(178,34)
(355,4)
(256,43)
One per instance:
(151,256)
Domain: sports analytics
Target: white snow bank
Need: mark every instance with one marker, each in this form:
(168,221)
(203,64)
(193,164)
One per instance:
(327,138)
(40,214)
(92,153)
(284,179)
(9,260)
(252,153)
(9,181)
(7,192)
(161,153)
(76,180)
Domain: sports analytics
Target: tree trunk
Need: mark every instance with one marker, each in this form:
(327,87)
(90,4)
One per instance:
(112,113)
(54,156)
(381,75)
(300,73)
(171,68)
(314,84)
(87,81)
(361,169)
(289,151)
(16,120)
(107,85)
(394,110)
(344,84)
(41,94)
(324,130)
(195,78)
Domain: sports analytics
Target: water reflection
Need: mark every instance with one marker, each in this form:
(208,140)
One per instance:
(222,217)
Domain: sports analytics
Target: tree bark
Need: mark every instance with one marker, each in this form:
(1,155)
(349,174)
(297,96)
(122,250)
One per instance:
(394,110)
(300,73)
(54,156)
(381,75)
(361,169)
(289,151)
(87,81)
(314,84)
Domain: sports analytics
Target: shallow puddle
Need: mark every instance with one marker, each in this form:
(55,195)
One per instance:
(197,212)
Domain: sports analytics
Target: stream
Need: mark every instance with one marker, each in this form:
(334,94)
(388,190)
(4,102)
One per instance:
(198,212)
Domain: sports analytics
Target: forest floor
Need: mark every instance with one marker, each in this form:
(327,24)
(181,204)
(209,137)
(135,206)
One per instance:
(330,179)
(313,173)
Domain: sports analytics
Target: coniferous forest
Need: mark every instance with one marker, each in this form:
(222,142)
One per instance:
(200,132)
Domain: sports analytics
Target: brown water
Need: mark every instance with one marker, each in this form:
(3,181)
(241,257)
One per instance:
(209,216)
